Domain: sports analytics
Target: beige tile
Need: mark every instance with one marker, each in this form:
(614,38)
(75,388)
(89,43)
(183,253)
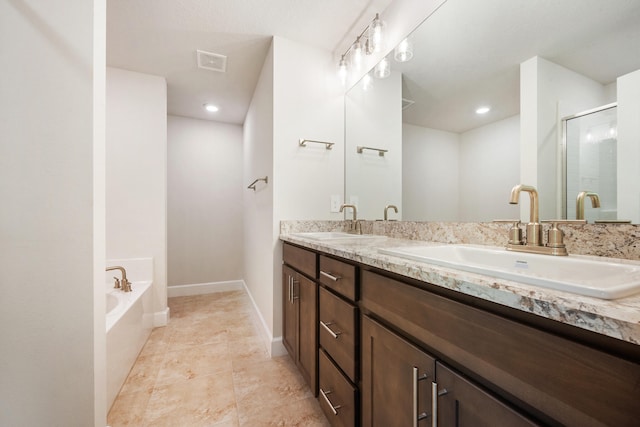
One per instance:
(193,362)
(128,409)
(196,333)
(157,343)
(268,383)
(143,374)
(203,401)
(303,413)
(247,350)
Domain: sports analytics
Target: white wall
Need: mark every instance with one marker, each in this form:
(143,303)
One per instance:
(629,147)
(489,168)
(549,92)
(430,174)
(297,97)
(374,119)
(50,92)
(136,173)
(258,205)
(205,197)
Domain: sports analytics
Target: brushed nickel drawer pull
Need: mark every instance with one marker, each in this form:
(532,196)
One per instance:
(417,417)
(324,394)
(330,276)
(326,326)
(293,290)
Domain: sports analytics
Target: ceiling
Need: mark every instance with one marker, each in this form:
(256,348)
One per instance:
(468,53)
(160,37)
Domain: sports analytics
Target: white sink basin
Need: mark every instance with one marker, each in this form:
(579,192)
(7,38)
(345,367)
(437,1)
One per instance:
(336,235)
(579,275)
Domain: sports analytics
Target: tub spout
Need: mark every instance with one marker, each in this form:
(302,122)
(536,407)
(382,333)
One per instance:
(123,283)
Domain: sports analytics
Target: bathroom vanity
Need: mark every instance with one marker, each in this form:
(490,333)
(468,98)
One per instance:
(400,342)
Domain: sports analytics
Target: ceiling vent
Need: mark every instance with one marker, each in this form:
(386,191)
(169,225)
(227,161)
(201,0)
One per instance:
(212,61)
(406,103)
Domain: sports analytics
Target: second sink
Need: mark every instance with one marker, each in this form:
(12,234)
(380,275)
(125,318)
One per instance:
(580,275)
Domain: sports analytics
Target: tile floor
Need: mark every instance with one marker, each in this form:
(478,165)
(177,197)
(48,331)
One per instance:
(208,367)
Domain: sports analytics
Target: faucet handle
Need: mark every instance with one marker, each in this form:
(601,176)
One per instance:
(515,232)
(116,283)
(555,236)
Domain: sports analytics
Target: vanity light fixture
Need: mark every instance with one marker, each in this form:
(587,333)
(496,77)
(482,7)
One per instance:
(210,108)
(483,110)
(382,69)
(370,40)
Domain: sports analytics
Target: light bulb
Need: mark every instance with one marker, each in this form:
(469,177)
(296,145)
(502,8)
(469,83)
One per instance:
(382,69)
(483,110)
(342,70)
(356,54)
(367,82)
(376,34)
(211,108)
(404,51)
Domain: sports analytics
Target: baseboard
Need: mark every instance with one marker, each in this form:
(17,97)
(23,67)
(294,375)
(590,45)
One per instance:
(277,347)
(161,318)
(204,288)
(274,345)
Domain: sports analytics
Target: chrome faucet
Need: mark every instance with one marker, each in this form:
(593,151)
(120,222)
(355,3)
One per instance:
(595,202)
(355,225)
(386,208)
(123,284)
(534,228)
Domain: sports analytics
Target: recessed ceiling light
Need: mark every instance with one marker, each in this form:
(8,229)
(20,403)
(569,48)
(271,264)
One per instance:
(483,110)
(210,108)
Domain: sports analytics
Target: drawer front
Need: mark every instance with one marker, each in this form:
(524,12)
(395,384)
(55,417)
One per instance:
(338,331)
(300,259)
(337,396)
(339,276)
(574,384)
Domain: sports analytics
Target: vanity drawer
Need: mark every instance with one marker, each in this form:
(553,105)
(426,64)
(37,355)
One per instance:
(339,276)
(301,259)
(337,396)
(338,331)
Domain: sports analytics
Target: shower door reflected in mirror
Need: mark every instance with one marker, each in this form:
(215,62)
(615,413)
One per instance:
(590,159)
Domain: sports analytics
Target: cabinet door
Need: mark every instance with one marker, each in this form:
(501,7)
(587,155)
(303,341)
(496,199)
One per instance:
(461,403)
(307,291)
(289,312)
(396,379)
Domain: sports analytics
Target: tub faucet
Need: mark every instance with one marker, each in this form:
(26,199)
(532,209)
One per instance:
(386,208)
(595,202)
(123,284)
(355,226)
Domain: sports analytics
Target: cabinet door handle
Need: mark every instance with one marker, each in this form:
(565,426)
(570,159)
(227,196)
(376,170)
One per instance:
(324,394)
(290,282)
(434,402)
(330,276)
(417,417)
(293,290)
(326,326)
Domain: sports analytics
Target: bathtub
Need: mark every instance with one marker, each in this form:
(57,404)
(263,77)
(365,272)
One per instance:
(129,321)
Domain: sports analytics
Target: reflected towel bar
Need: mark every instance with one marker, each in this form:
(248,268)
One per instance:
(252,186)
(327,145)
(380,151)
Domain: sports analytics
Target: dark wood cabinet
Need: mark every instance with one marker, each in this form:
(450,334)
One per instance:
(462,403)
(337,396)
(300,312)
(396,379)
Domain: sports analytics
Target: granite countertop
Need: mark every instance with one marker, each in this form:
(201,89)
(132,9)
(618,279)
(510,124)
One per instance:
(618,318)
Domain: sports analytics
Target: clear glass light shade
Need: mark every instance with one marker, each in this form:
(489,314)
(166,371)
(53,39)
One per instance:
(357,52)
(367,82)
(382,69)
(376,35)
(404,51)
(342,70)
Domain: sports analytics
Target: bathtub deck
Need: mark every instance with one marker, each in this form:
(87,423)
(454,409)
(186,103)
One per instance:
(209,367)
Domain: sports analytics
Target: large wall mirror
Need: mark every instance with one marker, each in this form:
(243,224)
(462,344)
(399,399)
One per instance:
(431,151)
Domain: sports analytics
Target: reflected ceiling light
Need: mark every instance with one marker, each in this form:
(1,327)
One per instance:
(382,69)
(404,51)
(210,108)
(483,110)
(370,40)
